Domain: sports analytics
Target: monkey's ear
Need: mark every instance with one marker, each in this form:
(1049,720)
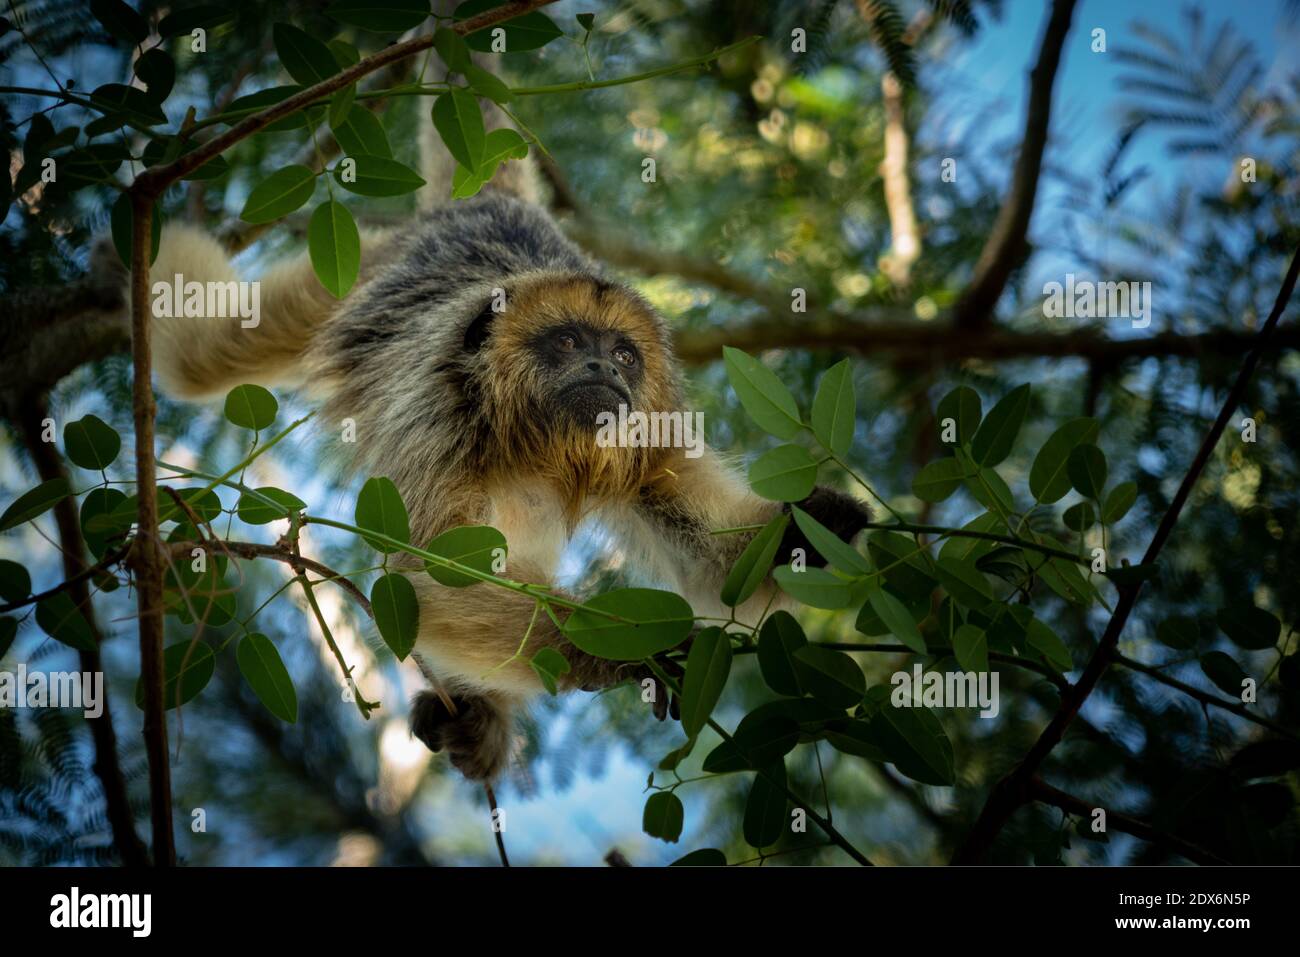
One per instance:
(478,331)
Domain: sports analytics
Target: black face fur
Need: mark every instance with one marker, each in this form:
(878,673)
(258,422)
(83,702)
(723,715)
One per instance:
(590,370)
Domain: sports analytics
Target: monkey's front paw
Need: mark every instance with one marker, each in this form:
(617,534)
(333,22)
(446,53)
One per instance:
(476,737)
(842,514)
(664,702)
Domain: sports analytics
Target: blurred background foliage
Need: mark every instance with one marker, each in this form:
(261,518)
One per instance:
(769,170)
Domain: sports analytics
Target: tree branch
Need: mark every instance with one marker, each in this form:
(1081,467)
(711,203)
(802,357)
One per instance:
(76,573)
(145,557)
(1014,790)
(1040,790)
(1006,243)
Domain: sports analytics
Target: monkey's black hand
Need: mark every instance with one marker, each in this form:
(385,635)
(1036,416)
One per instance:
(842,514)
(475,736)
(665,702)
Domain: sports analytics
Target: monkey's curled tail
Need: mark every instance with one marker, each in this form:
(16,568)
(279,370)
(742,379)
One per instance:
(212,332)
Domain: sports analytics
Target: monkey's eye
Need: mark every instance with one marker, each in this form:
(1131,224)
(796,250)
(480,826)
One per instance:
(625,356)
(566,342)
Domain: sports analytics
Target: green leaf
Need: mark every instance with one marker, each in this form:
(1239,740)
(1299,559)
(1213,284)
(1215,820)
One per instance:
(1249,626)
(263,669)
(123,104)
(1180,633)
(501,145)
(904,570)
(549,665)
(95,163)
(1079,517)
(663,816)
(380,509)
(341,103)
(345,54)
(362,134)
(91,443)
(480,547)
(379,176)
(120,20)
(970,646)
(648,622)
(1048,479)
(279,194)
(835,409)
(938,480)
(397,613)
(121,220)
(459,122)
(964,407)
(1040,638)
(786,473)
(380,16)
(707,668)
(778,641)
(187,665)
(528,32)
(34,503)
(60,618)
(15,581)
(764,397)
(765,818)
(1066,580)
(914,741)
(335,247)
(834,549)
(756,743)
(1087,470)
(1118,502)
(751,567)
(452,49)
(856,738)
(1224,672)
(485,84)
(586,21)
(251,407)
(306,59)
(241,106)
(964,582)
(158,72)
(102,503)
(897,619)
(832,677)
(997,434)
(965,548)
(256,511)
(989,489)
(815,587)
(704,857)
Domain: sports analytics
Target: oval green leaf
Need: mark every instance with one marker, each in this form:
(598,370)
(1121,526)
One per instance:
(264,670)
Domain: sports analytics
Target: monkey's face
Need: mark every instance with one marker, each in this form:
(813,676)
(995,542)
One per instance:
(564,352)
(589,371)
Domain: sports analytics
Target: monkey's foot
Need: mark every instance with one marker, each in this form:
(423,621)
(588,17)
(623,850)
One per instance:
(476,738)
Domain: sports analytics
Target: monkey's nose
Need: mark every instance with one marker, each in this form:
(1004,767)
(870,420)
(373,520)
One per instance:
(604,367)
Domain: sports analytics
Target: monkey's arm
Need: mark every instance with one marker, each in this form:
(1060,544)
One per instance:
(703,495)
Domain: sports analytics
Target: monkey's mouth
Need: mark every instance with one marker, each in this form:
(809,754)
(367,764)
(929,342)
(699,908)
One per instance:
(581,402)
(596,388)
